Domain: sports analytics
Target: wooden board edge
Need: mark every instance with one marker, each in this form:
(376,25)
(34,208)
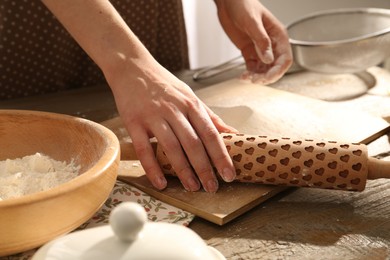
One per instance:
(175,202)
(276,190)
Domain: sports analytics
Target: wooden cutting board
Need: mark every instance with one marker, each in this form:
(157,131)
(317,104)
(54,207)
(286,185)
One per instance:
(253,109)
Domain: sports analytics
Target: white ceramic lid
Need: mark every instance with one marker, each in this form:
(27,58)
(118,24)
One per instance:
(130,236)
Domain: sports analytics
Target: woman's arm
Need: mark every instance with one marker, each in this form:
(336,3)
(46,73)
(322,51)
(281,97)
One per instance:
(100,31)
(150,100)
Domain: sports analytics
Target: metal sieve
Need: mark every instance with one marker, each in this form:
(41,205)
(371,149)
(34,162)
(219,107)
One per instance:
(333,41)
(341,41)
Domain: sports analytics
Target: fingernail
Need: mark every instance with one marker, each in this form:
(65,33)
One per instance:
(211,186)
(160,183)
(193,184)
(228,175)
(268,56)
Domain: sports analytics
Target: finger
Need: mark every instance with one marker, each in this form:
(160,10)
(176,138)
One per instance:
(276,72)
(147,157)
(251,59)
(261,41)
(268,77)
(196,153)
(213,144)
(251,64)
(172,147)
(280,40)
(273,73)
(264,52)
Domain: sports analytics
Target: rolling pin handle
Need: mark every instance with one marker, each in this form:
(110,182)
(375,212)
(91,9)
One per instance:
(378,169)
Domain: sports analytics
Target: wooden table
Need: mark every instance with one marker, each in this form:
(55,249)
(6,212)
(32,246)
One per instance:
(297,224)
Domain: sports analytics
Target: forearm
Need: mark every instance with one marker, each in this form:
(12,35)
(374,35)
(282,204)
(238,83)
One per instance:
(100,31)
(152,102)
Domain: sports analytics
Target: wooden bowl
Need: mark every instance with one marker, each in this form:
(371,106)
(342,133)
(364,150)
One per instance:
(32,220)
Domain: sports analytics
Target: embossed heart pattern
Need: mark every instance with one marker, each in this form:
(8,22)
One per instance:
(301,163)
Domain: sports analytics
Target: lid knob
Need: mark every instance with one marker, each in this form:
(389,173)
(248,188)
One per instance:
(127,220)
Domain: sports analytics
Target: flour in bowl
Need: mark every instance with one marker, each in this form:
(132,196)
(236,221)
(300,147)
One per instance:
(33,173)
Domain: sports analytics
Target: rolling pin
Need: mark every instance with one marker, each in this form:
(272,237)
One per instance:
(300,163)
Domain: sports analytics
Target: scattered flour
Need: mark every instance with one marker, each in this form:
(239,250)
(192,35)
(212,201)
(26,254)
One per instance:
(33,173)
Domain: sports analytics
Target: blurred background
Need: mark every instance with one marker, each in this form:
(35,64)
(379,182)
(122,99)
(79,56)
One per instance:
(208,44)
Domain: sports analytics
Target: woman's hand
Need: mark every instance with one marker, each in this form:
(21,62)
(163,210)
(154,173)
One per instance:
(154,103)
(262,39)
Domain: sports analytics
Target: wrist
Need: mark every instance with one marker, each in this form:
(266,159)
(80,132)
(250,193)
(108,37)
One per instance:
(118,56)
